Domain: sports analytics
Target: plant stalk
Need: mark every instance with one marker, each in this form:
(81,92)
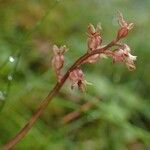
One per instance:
(49,97)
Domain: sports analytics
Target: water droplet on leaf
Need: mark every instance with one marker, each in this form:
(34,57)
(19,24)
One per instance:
(2,97)
(9,77)
(11,59)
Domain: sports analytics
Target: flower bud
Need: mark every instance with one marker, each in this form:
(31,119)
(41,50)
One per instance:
(123,32)
(58,60)
(125,27)
(94,38)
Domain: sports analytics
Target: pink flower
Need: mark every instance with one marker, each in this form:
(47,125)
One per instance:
(125,27)
(94,41)
(94,38)
(130,62)
(58,59)
(77,78)
(123,55)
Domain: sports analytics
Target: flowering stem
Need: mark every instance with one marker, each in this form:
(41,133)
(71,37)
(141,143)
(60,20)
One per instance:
(51,94)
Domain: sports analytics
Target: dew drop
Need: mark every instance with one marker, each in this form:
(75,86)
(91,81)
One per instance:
(2,97)
(9,77)
(11,59)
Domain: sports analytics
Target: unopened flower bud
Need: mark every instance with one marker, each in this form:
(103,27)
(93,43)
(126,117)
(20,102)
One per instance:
(125,27)
(94,38)
(58,60)
(123,32)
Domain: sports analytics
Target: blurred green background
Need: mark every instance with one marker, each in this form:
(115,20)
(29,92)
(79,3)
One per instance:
(118,116)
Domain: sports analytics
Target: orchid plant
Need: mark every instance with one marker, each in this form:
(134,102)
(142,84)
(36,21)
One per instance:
(95,51)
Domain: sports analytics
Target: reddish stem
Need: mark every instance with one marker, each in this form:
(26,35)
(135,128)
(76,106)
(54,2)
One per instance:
(49,97)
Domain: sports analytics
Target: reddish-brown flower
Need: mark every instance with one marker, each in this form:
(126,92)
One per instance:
(94,38)
(94,41)
(77,78)
(125,27)
(58,60)
(123,55)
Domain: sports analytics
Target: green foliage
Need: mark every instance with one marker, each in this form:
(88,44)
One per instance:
(120,117)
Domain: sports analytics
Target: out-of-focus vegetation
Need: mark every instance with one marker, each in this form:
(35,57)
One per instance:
(119,118)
